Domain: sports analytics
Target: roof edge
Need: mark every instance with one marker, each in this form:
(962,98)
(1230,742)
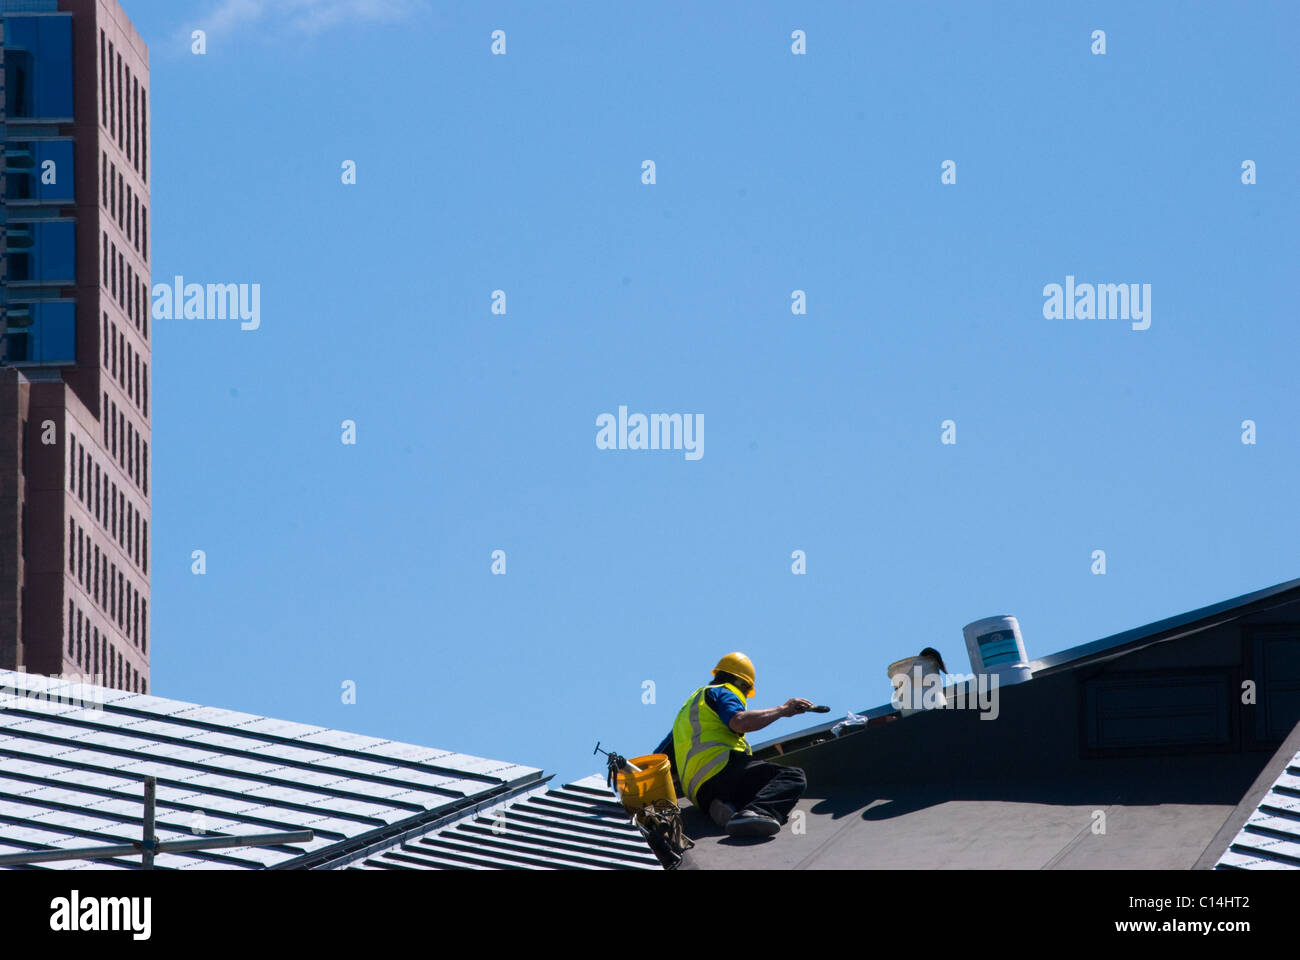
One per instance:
(1072,654)
(1150,630)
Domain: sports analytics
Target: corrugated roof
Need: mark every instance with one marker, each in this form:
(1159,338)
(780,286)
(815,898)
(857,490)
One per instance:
(1269,839)
(578,826)
(72,773)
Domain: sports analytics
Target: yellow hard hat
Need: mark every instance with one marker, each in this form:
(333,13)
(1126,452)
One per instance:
(738,665)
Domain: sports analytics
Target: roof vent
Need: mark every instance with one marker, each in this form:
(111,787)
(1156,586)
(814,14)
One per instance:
(996,647)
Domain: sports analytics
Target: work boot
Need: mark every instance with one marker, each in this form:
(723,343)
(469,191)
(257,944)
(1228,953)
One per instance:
(750,823)
(721,813)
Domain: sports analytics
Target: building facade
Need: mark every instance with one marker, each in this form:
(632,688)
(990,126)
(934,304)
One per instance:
(75,343)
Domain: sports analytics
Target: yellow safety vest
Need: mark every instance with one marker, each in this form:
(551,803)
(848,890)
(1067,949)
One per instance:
(702,743)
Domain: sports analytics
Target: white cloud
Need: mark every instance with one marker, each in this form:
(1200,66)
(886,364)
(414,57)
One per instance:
(307,16)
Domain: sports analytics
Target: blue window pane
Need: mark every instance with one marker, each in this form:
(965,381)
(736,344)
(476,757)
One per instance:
(43,252)
(58,246)
(39,170)
(51,337)
(38,66)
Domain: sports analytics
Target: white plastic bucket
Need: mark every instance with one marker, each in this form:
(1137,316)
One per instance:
(996,647)
(913,692)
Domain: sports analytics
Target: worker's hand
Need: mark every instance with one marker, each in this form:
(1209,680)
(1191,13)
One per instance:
(796,705)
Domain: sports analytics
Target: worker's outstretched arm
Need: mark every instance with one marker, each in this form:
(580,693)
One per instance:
(749,720)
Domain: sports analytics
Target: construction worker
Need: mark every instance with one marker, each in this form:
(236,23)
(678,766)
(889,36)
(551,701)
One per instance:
(712,759)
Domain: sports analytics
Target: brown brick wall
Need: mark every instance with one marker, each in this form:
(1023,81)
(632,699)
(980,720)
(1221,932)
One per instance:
(13,414)
(74,512)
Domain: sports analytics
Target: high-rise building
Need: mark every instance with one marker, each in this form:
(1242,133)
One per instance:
(74,342)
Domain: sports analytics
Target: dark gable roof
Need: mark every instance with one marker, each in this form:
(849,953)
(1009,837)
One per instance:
(1038,787)
(1117,644)
(1171,627)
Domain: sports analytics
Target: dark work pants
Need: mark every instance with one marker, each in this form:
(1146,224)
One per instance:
(748,784)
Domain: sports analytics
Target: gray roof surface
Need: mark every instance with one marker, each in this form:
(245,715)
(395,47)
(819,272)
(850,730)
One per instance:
(578,826)
(71,775)
(922,828)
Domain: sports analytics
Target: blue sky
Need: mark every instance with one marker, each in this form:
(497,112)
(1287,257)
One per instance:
(371,562)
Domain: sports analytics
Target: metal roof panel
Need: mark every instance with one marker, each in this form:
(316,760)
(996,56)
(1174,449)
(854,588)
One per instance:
(508,835)
(74,774)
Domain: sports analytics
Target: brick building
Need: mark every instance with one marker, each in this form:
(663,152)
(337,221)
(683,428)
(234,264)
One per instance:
(74,343)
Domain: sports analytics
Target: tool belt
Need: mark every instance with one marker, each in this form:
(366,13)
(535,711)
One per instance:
(660,823)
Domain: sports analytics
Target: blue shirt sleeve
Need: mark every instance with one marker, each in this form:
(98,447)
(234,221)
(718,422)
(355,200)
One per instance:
(724,703)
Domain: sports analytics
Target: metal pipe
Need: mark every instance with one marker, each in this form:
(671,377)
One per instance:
(257,840)
(84,853)
(166,846)
(150,804)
